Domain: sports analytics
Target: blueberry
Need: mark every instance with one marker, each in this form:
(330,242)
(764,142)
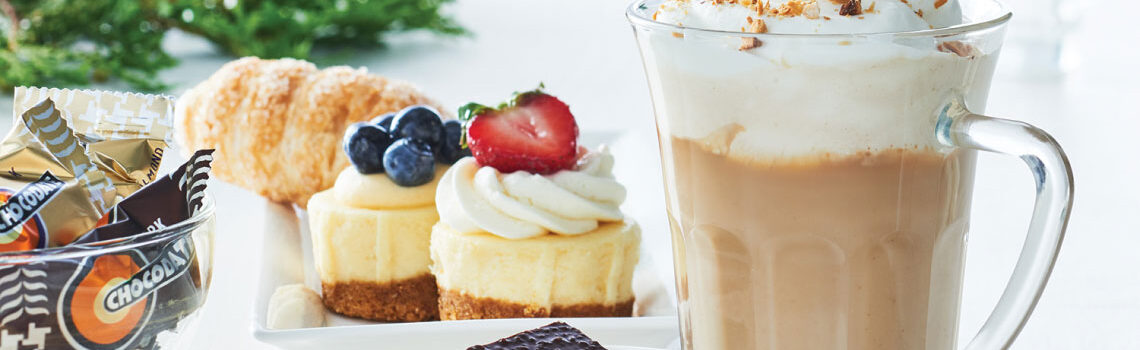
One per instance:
(364,143)
(420,123)
(449,151)
(384,121)
(409,163)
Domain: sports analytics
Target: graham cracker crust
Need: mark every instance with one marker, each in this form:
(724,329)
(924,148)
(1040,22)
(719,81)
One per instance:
(408,300)
(454,305)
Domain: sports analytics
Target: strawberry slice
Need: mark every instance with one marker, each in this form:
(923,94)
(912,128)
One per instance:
(534,132)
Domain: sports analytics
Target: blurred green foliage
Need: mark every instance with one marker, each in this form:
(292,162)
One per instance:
(71,43)
(64,43)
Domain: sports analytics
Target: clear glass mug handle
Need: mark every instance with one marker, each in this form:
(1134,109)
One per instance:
(958,127)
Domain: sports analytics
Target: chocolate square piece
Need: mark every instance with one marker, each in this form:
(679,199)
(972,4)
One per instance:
(554,336)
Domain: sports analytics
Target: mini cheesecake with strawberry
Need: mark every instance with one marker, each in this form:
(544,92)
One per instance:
(530,225)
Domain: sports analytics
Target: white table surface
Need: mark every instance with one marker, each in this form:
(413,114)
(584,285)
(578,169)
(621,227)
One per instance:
(585,53)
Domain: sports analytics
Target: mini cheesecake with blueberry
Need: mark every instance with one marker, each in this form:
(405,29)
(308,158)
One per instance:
(530,225)
(371,230)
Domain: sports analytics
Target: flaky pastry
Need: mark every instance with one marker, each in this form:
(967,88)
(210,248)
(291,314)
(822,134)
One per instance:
(277,124)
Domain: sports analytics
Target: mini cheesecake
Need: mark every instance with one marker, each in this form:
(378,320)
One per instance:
(370,244)
(530,224)
(572,256)
(484,276)
(371,230)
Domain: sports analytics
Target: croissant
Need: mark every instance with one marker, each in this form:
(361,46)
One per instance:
(277,125)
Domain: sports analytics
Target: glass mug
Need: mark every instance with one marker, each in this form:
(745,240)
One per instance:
(818,186)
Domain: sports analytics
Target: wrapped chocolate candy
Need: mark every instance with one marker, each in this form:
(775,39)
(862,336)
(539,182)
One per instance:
(102,145)
(171,199)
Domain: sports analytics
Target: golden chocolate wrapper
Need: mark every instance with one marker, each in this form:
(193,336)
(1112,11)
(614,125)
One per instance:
(106,145)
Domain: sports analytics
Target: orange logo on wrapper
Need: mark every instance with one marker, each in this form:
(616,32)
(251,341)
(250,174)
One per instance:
(27,236)
(88,323)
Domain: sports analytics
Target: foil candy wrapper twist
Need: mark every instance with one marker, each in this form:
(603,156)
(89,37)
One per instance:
(51,129)
(103,145)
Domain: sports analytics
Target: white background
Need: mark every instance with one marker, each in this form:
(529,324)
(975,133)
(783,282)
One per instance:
(585,53)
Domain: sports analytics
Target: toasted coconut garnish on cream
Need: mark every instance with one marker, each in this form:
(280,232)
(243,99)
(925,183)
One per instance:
(851,8)
(754,26)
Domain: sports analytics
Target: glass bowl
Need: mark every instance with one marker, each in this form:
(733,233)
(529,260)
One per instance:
(141,292)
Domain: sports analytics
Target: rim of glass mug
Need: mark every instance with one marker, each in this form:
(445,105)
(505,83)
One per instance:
(204,214)
(639,15)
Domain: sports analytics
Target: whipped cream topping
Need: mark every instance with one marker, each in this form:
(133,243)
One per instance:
(520,205)
(811,16)
(787,98)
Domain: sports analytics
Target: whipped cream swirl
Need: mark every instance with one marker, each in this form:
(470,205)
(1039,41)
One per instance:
(521,205)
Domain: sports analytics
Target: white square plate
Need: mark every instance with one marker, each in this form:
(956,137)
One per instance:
(287,259)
